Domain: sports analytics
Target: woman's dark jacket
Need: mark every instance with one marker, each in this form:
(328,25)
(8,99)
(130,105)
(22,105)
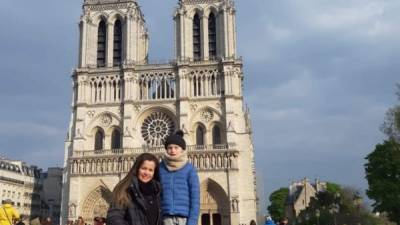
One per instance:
(138,212)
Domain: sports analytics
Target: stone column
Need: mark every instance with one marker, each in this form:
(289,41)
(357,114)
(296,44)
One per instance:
(110,45)
(82,46)
(204,37)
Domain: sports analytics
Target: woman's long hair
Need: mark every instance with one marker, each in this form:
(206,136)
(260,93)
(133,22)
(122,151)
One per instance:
(121,195)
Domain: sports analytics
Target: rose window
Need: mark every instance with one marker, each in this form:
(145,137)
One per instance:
(156,128)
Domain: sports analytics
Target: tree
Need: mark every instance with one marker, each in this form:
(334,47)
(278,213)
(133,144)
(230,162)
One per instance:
(338,205)
(383,175)
(278,201)
(391,123)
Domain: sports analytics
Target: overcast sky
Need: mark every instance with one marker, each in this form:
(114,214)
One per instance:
(319,76)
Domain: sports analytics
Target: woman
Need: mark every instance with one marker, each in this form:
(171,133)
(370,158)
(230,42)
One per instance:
(136,198)
(80,221)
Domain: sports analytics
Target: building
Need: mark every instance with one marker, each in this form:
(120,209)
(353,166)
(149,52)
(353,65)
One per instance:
(123,106)
(21,183)
(51,195)
(300,195)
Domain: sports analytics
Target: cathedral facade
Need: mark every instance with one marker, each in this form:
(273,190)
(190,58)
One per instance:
(123,106)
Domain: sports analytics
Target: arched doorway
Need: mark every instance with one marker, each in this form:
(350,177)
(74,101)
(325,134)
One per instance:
(96,204)
(214,204)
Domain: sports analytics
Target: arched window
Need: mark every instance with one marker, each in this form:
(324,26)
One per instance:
(101,44)
(216,134)
(99,139)
(217,220)
(116,139)
(205,219)
(117,53)
(212,36)
(196,37)
(197,86)
(200,133)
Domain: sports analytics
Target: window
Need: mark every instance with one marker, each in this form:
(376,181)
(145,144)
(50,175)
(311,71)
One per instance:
(205,219)
(99,138)
(216,217)
(212,37)
(101,44)
(116,139)
(117,53)
(216,133)
(196,37)
(200,132)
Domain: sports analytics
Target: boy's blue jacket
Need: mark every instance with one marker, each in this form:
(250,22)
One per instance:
(180,194)
(269,222)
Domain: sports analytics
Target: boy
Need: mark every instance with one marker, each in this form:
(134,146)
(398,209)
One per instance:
(180,199)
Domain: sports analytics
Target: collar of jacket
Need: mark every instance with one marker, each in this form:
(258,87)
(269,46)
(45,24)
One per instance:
(138,195)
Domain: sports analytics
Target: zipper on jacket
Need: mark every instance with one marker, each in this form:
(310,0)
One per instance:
(173,192)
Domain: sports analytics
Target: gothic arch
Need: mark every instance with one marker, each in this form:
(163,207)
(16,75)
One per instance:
(115,135)
(197,9)
(217,132)
(99,17)
(197,116)
(214,203)
(211,9)
(104,120)
(99,138)
(200,137)
(96,203)
(116,15)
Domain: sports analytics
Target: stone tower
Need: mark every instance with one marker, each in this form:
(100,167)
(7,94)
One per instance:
(123,106)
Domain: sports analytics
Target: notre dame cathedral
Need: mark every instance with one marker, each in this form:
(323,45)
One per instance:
(123,106)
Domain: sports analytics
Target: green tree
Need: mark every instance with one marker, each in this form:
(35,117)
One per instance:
(278,201)
(333,188)
(391,123)
(338,205)
(383,175)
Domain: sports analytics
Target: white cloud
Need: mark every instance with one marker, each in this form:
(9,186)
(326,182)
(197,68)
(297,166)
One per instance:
(349,16)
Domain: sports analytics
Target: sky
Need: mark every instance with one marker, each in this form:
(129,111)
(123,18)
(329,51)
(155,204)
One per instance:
(319,76)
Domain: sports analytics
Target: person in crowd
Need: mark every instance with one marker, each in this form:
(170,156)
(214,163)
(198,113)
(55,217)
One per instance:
(47,221)
(284,221)
(80,221)
(96,220)
(136,198)
(269,221)
(8,214)
(35,221)
(180,197)
(21,220)
(99,220)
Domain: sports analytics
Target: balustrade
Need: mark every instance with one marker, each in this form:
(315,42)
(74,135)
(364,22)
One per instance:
(204,158)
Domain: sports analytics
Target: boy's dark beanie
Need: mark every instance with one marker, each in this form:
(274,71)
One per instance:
(176,139)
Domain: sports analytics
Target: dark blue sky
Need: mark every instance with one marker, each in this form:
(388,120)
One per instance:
(319,76)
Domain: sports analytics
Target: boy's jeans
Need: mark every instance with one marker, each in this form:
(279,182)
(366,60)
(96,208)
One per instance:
(174,220)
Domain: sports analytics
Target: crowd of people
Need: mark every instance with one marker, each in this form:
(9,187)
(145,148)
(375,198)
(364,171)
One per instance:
(10,216)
